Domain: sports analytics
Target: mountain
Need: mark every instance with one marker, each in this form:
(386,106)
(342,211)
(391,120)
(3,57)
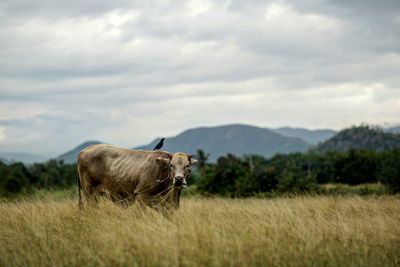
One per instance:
(361,137)
(310,136)
(395,129)
(237,139)
(27,158)
(4,161)
(70,156)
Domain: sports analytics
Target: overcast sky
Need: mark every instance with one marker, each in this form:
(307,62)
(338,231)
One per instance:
(126,72)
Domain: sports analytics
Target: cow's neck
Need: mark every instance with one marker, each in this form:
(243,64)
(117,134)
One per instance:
(173,197)
(165,184)
(176,196)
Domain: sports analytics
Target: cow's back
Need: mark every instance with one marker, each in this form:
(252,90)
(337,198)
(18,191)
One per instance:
(113,169)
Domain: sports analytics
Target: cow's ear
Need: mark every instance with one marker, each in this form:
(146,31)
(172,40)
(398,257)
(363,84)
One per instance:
(193,161)
(163,161)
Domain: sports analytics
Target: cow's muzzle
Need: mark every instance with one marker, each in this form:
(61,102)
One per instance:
(180,181)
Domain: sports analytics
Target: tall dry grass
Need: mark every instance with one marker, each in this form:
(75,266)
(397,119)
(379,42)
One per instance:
(301,231)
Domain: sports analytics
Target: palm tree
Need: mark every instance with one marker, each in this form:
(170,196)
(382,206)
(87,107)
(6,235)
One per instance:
(202,158)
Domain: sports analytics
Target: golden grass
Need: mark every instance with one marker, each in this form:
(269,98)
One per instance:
(301,231)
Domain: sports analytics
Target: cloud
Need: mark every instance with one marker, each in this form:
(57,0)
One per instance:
(2,134)
(126,72)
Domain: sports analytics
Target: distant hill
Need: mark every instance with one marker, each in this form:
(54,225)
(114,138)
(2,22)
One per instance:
(26,158)
(237,139)
(395,129)
(70,156)
(4,161)
(361,137)
(310,136)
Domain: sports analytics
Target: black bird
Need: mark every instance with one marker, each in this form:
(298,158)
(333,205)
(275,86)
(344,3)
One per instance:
(159,145)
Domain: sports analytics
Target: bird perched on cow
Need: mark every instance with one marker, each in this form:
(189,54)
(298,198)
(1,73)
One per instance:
(159,145)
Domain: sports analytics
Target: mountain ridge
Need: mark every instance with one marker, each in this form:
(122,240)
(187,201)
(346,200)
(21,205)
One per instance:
(310,136)
(241,144)
(238,139)
(361,137)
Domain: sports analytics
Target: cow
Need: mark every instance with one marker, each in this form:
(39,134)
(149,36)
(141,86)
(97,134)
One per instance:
(155,178)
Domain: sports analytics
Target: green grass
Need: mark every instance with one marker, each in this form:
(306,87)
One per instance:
(345,189)
(299,231)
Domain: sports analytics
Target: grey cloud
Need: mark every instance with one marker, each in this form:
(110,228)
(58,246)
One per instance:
(375,25)
(51,133)
(127,71)
(278,51)
(56,9)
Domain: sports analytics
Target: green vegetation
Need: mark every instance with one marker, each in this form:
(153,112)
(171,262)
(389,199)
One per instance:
(18,178)
(299,231)
(244,176)
(294,173)
(345,189)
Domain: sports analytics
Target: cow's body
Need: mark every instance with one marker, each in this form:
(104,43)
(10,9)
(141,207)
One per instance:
(128,175)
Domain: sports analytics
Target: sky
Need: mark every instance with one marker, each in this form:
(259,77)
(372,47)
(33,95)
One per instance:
(126,72)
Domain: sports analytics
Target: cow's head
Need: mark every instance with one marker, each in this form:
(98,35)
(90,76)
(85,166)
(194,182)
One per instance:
(178,164)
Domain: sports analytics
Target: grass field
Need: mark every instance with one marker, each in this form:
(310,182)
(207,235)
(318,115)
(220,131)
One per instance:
(300,231)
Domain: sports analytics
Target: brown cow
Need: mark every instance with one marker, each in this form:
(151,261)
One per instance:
(150,177)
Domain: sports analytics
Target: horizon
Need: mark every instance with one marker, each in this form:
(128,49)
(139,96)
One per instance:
(122,71)
(184,130)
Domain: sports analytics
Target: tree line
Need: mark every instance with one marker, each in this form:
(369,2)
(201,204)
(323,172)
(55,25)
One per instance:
(297,172)
(238,176)
(16,178)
